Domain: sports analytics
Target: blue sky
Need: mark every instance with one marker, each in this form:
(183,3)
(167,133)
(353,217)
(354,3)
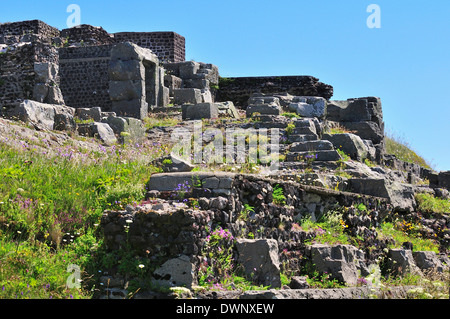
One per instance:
(405,62)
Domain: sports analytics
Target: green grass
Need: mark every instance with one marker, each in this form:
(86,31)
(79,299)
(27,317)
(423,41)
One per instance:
(50,209)
(402,150)
(430,204)
(401,232)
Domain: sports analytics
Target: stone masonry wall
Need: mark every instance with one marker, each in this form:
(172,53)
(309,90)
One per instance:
(239,89)
(17,74)
(166,226)
(84,76)
(168,46)
(36,27)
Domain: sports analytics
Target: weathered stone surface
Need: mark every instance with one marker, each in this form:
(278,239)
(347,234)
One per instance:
(129,51)
(199,111)
(350,144)
(102,131)
(271,109)
(187,96)
(400,195)
(176,272)
(311,156)
(121,70)
(309,106)
(298,282)
(42,115)
(133,127)
(137,108)
(94,113)
(428,261)
(311,146)
(444,180)
(173,163)
(126,90)
(335,293)
(260,260)
(170,181)
(401,261)
(341,261)
(227,109)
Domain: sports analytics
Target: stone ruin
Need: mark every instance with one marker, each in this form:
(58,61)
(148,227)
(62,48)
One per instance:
(87,80)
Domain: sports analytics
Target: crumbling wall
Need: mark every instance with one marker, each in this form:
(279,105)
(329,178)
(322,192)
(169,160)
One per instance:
(239,89)
(12,32)
(84,35)
(84,76)
(168,46)
(17,70)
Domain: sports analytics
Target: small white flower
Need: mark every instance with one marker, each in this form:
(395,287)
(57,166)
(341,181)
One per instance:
(128,221)
(141,266)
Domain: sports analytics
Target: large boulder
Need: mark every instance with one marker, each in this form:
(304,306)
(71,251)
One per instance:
(309,106)
(350,144)
(400,262)
(343,262)
(259,257)
(428,261)
(101,131)
(44,116)
(401,195)
(176,272)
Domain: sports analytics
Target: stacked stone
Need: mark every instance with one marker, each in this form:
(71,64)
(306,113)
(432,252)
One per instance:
(136,80)
(168,46)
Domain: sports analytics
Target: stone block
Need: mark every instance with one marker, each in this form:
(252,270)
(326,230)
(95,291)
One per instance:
(311,146)
(41,115)
(137,108)
(129,51)
(172,82)
(188,69)
(176,272)
(350,144)
(94,113)
(401,261)
(428,261)
(102,131)
(200,111)
(343,262)
(227,109)
(126,90)
(120,70)
(263,109)
(309,106)
(260,260)
(187,96)
(444,179)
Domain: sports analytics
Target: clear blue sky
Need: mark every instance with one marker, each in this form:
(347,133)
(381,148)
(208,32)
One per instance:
(405,62)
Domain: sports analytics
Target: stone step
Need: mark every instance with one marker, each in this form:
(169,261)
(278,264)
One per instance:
(293,138)
(311,146)
(304,130)
(329,155)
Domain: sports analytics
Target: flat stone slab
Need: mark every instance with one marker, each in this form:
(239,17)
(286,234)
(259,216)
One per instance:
(334,293)
(171,181)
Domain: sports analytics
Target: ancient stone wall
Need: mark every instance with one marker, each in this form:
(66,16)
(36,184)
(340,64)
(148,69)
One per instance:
(35,27)
(86,35)
(17,66)
(166,226)
(84,76)
(239,89)
(168,46)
